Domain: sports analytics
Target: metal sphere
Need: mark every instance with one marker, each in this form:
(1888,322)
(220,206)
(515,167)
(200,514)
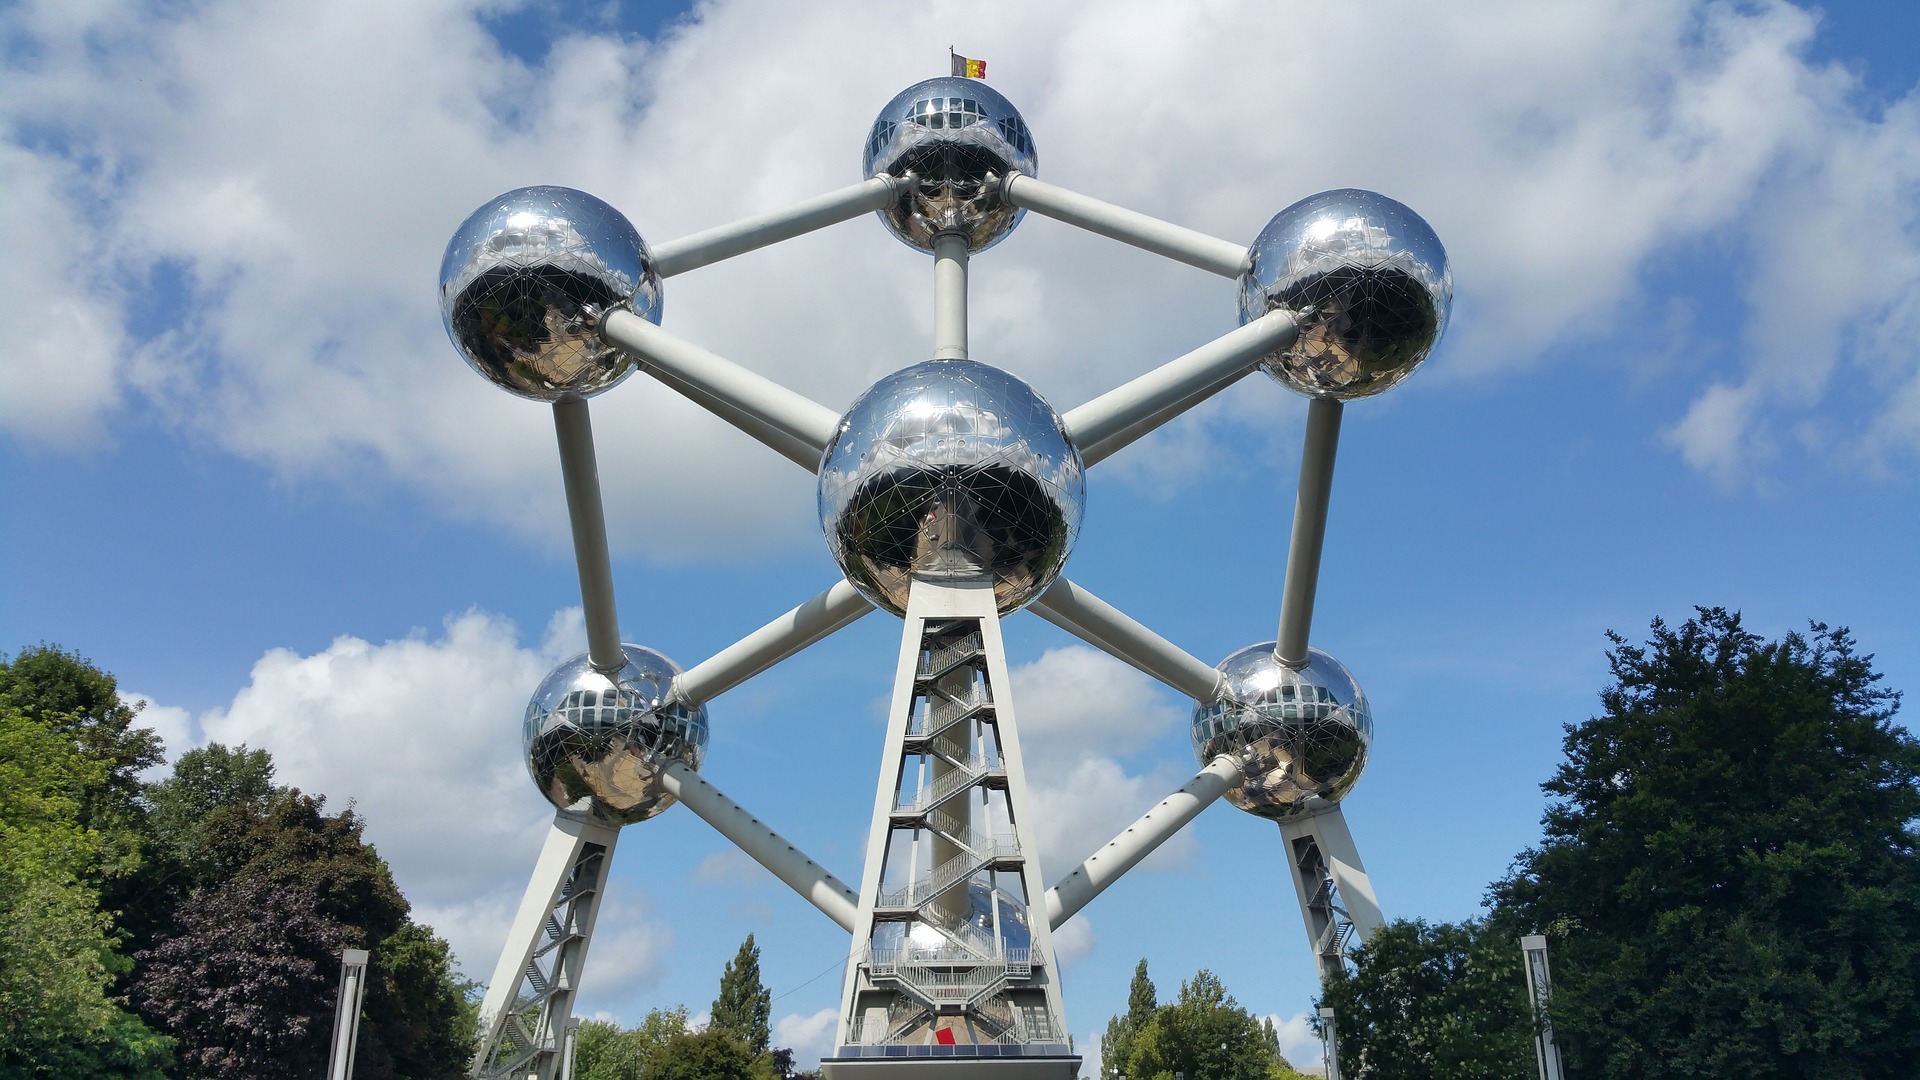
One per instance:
(597,746)
(1369,282)
(946,470)
(952,134)
(524,285)
(1296,733)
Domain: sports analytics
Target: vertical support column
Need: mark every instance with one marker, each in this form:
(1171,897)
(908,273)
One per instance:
(953,952)
(573,426)
(950,297)
(346,1013)
(1336,897)
(1533,949)
(1310,503)
(529,1000)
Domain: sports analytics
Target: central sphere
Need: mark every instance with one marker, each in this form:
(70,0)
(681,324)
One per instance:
(597,745)
(1367,281)
(951,469)
(951,134)
(526,280)
(1295,732)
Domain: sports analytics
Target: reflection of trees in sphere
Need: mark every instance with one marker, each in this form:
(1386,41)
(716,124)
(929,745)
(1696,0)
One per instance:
(525,282)
(951,469)
(1296,733)
(1369,281)
(951,133)
(596,746)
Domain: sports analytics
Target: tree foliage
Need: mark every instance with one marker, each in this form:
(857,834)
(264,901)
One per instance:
(1434,1000)
(1729,874)
(60,842)
(744,1008)
(1203,1033)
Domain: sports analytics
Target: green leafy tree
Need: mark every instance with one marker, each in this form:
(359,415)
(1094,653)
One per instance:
(1203,1033)
(606,1051)
(425,1014)
(1427,1000)
(1116,1046)
(744,1008)
(713,1054)
(58,961)
(1728,875)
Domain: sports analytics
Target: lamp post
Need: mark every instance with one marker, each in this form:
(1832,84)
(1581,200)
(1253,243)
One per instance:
(346,1012)
(1533,947)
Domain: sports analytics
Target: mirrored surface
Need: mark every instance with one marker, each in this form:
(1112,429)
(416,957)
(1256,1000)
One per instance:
(596,745)
(525,282)
(1369,281)
(951,469)
(1296,733)
(951,133)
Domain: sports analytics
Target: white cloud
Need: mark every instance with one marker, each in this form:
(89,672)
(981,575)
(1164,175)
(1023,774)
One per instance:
(298,169)
(1079,711)
(733,867)
(809,1036)
(176,727)
(419,734)
(1298,1044)
(1073,940)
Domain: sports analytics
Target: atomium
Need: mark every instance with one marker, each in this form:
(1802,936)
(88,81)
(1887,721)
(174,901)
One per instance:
(951,469)
(1369,285)
(597,746)
(525,282)
(1296,733)
(956,136)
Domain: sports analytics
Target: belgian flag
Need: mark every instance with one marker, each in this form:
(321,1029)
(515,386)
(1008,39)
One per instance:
(967,67)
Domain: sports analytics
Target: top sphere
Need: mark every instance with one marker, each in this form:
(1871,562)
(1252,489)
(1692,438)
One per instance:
(1368,281)
(951,133)
(597,746)
(525,282)
(1296,733)
(951,469)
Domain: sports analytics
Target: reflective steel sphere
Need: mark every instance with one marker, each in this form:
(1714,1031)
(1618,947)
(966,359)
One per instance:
(1295,733)
(951,133)
(596,746)
(525,282)
(1370,282)
(951,469)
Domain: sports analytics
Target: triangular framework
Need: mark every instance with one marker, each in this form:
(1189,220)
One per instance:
(530,997)
(952,955)
(1335,894)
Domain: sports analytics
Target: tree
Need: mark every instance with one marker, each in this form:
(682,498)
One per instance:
(744,1008)
(59,1016)
(1204,1033)
(1116,1046)
(1427,1000)
(713,1054)
(605,1051)
(1729,875)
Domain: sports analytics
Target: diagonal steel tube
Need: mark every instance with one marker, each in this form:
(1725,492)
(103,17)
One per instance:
(1176,242)
(791,414)
(766,847)
(762,230)
(1127,412)
(819,617)
(1138,840)
(1110,630)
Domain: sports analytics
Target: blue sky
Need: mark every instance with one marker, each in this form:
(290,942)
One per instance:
(245,471)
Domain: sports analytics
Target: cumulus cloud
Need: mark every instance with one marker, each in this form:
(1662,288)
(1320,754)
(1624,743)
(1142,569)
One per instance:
(1298,1044)
(409,732)
(233,213)
(808,1035)
(1080,712)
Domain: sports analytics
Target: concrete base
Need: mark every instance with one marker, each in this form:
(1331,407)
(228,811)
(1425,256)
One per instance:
(951,1068)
